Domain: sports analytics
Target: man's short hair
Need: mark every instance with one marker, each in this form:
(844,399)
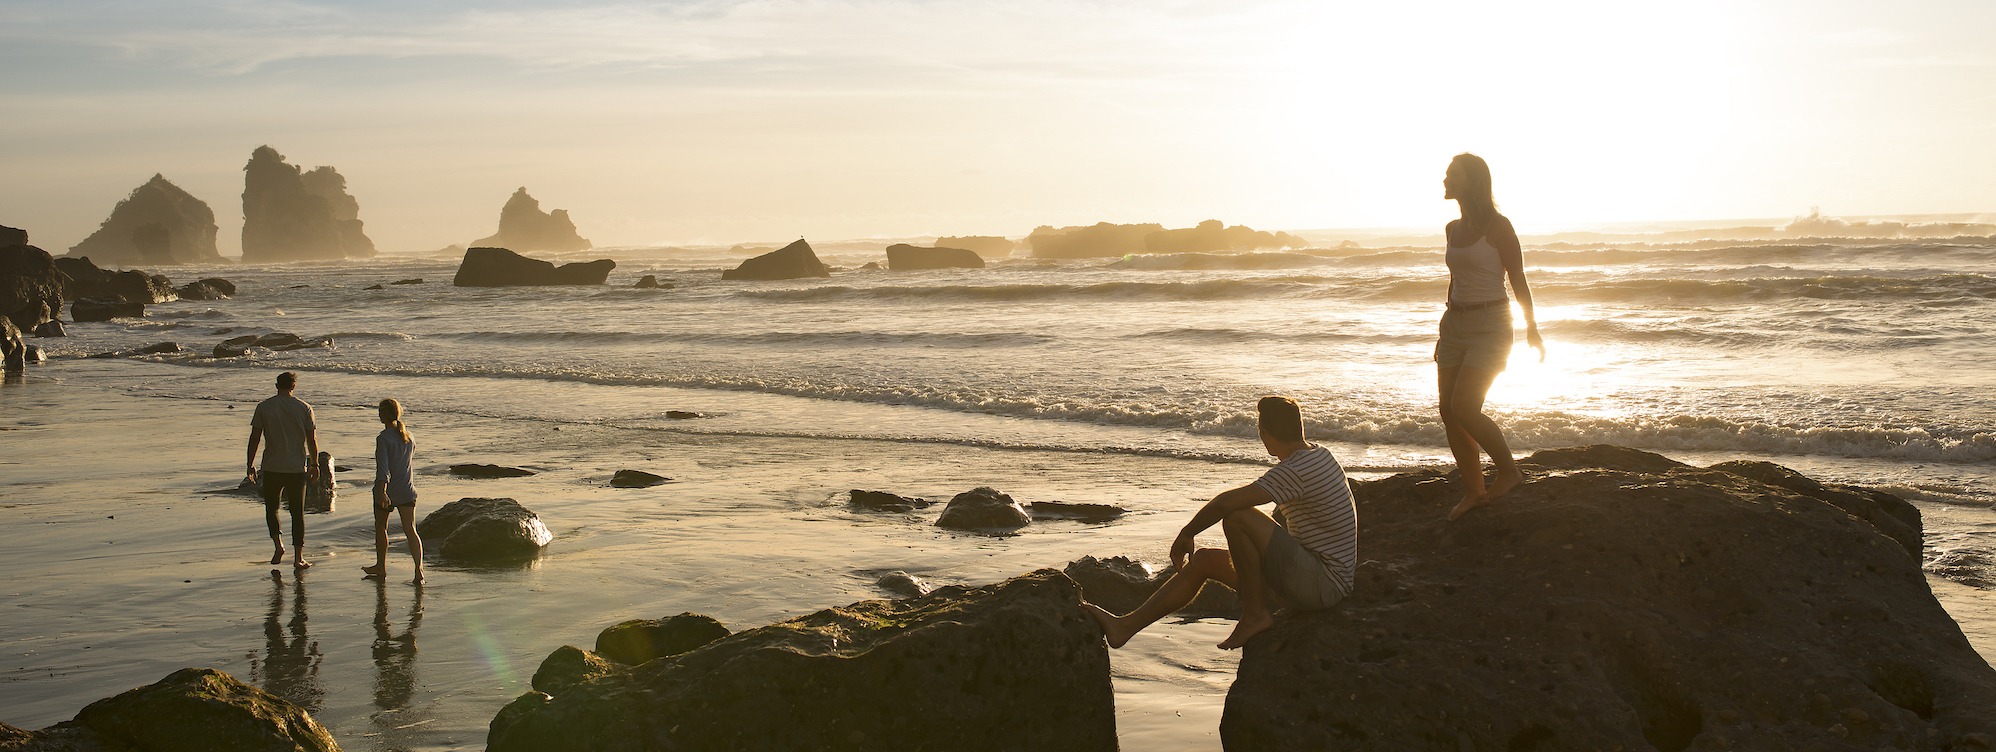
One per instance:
(287,380)
(1281,418)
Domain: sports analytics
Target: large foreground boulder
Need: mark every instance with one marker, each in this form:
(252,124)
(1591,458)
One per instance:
(157,224)
(903,257)
(1011,666)
(30,284)
(191,710)
(792,261)
(484,531)
(1620,601)
(983,509)
(523,225)
(498,267)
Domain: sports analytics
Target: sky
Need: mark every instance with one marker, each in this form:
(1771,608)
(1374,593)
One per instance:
(724,122)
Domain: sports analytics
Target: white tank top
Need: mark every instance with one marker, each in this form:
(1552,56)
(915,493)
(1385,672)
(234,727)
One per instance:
(1476,273)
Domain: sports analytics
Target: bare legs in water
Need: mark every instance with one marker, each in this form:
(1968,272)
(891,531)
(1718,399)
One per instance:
(1470,433)
(380,568)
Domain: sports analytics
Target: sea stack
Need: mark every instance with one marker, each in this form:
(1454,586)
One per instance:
(293,215)
(157,224)
(524,227)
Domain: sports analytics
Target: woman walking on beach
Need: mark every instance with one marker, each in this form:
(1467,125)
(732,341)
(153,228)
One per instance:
(394,453)
(1475,341)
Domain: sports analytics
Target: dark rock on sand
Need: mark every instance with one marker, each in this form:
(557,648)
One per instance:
(789,262)
(882,501)
(31,285)
(640,641)
(636,479)
(84,279)
(374,287)
(414,281)
(523,225)
(486,472)
(105,310)
(1121,584)
(1620,600)
(903,585)
(568,666)
(983,508)
(1012,666)
(191,710)
(51,329)
(683,415)
(499,267)
(484,531)
(293,215)
(158,348)
(157,224)
(903,257)
(1064,510)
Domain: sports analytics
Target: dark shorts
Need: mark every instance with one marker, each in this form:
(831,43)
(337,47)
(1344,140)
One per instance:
(1478,340)
(1297,578)
(276,486)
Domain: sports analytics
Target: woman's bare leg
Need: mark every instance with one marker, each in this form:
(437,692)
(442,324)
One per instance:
(1466,407)
(415,541)
(1468,455)
(380,567)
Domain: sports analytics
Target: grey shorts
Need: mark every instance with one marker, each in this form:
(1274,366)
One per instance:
(1478,340)
(1295,575)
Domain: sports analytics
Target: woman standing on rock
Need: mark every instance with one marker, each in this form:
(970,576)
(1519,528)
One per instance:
(394,453)
(1475,341)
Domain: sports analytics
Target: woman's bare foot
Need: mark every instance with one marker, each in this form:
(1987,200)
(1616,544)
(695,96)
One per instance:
(1468,502)
(418,580)
(277,558)
(1248,627)
(375,571)
(1112,627)
(1506,480)
(301,564)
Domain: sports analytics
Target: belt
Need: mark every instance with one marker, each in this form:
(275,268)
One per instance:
(1454,306)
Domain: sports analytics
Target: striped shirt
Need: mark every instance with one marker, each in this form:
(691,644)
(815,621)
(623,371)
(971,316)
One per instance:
(1316,505)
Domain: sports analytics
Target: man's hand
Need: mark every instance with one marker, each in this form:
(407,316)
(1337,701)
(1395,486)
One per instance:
(1181,550)
(250,475)
(312,473)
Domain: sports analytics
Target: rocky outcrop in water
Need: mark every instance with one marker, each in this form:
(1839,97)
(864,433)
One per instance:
(92,310)
(13,347)
(212,288)
(1106,240)
(1215,236)
(902,257)
(191,709)
(30,284)
(983,509)
(987,246)
(83,279)
(793,261)
(499,267)
(1011,666)
(523,226)
(484,531)
(157,224)
(293,215)
(1621,600)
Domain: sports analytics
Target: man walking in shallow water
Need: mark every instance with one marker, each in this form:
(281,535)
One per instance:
(1305,561)
(289,462)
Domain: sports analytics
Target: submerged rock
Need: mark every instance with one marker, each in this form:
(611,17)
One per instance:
(484,531)
(903,257)
(683,415)
(51,329)
(31,285)
(191,709)
(789,262)
(293,215)
(415,281)
(1620,600)
(374,287)
(159,348)
(1066,510)
(1011,666)
(882,501)
(636,479)
(650,282)
(488,471)
(157,224)
(499,267)
(524,226)
(983,509)
(640,641)
(903,585)
(105,310)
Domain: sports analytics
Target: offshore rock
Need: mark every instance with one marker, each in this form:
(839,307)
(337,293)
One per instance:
(157,224)
(1104,240)
(83,279)
(485,531)
(1011,666)
(51,329)
(1067,510)
(293,215)
(499,267)
(988,246)
(902,257)
(212,288)
(640,641)
(983,509)
(1215,236)
(882,501)
(105,310)
(31,284)
(651,282)
(191,710)
(1620,600)
(793,261)
(524,226)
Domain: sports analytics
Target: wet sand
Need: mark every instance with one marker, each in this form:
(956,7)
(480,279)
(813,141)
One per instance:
(121,569)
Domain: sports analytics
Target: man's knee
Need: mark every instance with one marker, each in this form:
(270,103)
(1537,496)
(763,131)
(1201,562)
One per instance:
(1207,561)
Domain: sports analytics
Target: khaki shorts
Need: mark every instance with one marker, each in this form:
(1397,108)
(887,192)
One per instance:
(1477,340)
(1296,577)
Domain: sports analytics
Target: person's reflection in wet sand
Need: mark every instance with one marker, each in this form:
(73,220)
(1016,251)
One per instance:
(289,667)
(394,655)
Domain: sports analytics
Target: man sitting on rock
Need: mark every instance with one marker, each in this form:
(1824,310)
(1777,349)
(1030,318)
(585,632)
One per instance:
(1303,562)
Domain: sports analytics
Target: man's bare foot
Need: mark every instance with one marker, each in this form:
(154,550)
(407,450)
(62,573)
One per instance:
(1112,627)
(301,564)
(375,571)
(1248,627)
(1506,480)
(1469,502)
